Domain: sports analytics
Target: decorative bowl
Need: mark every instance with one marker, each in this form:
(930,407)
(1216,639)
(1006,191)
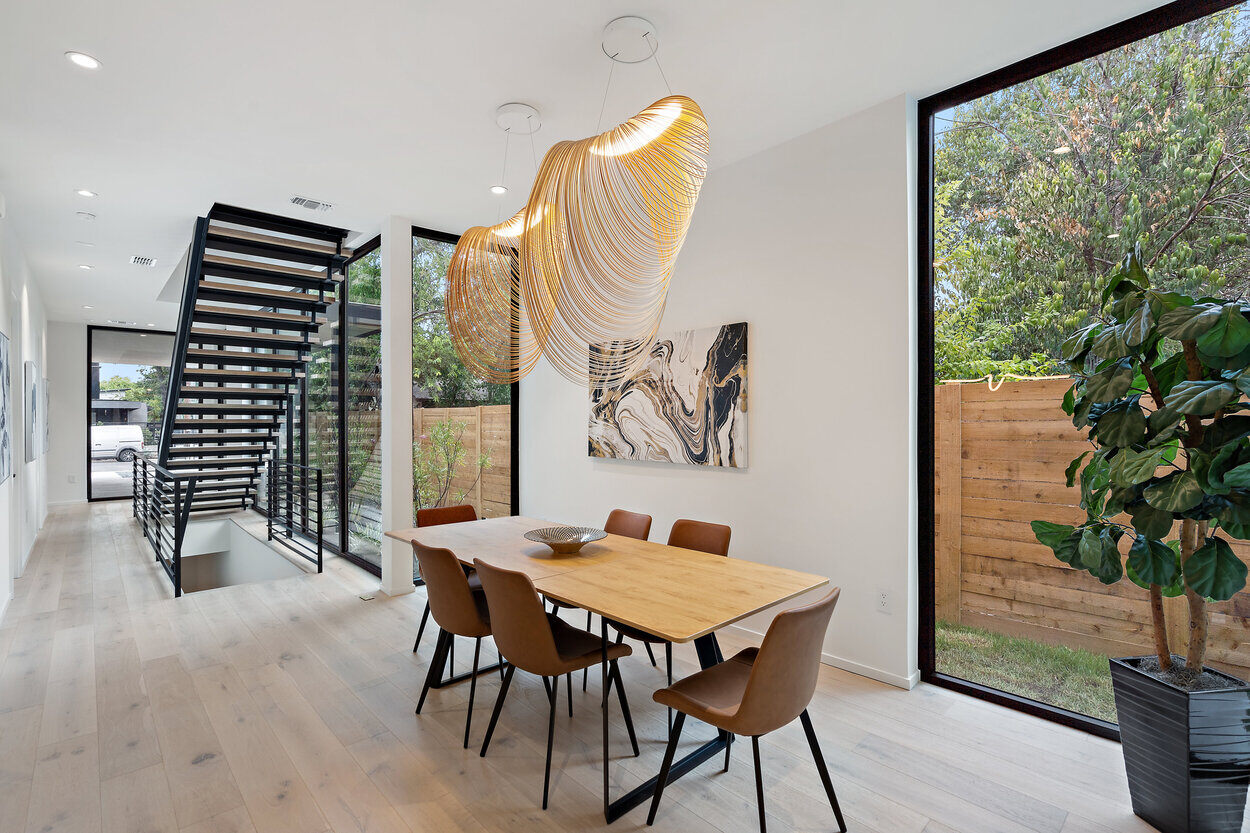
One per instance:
(565,540)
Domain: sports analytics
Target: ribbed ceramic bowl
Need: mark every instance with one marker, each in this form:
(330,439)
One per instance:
(565,540)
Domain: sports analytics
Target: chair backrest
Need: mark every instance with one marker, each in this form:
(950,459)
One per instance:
(784,675)
(447,588)
(628,524)
(700,535)
(439,515)
(519,619)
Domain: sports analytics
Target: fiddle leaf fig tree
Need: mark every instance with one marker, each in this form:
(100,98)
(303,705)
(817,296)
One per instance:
(1162,381)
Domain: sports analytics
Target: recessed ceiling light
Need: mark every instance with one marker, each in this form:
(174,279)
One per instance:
(1060,151)
(85,266)
(151,325)
(84,243)
(82,59)
(85,216)
(498,190)
(83,192)
(87,306)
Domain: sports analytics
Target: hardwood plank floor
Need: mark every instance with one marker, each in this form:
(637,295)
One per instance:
(288,705)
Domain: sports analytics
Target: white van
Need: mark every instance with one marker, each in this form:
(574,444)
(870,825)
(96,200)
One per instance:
(120,442)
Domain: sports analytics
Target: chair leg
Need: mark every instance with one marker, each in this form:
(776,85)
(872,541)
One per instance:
(421,629)
(650,654)
(586,670)
(620,693)
(451,655)
(494,715)
(822,769)
(668,669)
(568,679)
(468,718)
(552,696)
(759,781)
(729,744)
(547,688)
(673,736)
(436,665)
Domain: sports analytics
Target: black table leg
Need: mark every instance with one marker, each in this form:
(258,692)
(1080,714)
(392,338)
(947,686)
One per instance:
(709,653)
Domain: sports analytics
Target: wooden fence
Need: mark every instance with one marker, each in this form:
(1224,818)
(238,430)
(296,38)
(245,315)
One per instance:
(999,461)
(488,428)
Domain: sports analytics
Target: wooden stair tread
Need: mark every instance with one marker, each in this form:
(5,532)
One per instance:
(203,422)
(201,335)
(228,406)
(219,450)
(226,356)
(217,436)
(277,268)
(243,392)
(290,243)
(260,291)
(294,318)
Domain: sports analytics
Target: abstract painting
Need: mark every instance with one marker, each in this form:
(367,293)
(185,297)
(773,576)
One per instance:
(6,413)
(31,380)
(686,404)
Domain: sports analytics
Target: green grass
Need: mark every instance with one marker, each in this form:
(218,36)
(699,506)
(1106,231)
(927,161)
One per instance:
(1072,679)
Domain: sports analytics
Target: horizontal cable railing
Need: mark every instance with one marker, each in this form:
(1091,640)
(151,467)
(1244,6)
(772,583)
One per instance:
(294,509)
(162,503)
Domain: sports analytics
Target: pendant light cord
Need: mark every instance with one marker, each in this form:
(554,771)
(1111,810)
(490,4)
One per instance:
(655,56)
(503,176)
(606,87)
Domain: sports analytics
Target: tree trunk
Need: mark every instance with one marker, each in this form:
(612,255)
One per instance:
(1159,625)
(1196,656)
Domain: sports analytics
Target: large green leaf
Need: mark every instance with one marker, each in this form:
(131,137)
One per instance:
(1170,371)
(1137,327)
(1226,430)
(1177,492)
(1111,384)
(1236,362)
(1052,534)
(1238,477)
(1229,336)
(1200,398)
(1149,521)
(1122,425)
(1110,343)
(1077,345)
(1070,472)
(1215,571)
(1188,323)
(1153,561)
(1108,568)
(1069,400)
(1233,506)
(1132,467)
(1090,548)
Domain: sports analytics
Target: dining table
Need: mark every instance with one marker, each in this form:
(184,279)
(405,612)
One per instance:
(675,594)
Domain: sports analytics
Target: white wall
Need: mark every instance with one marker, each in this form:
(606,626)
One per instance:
(23,500)
(67,460)
(810,242)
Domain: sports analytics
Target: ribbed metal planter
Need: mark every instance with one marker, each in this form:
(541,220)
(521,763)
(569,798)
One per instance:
(1187,754)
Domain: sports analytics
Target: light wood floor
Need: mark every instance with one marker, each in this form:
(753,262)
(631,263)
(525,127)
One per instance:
(288,706)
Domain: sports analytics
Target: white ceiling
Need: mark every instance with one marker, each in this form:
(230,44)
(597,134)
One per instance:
(386,106)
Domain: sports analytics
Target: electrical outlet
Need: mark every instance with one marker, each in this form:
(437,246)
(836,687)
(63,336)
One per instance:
(885,601)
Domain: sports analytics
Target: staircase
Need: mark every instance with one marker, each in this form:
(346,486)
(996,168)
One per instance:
(256,291)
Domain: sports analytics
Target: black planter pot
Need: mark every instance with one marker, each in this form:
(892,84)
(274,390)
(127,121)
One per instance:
(1187,753)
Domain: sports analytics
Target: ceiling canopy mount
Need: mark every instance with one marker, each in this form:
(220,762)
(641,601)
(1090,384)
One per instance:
(630,40)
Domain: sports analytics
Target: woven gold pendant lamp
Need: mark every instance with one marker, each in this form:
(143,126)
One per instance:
(581,274)
(605,221)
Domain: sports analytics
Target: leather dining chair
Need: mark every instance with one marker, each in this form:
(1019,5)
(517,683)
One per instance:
(459,610)
(538,642)
(758,691)
(628,525)
(437,516)
(690,535)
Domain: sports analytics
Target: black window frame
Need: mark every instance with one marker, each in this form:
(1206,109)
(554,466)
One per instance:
(1136,28)
(91,330)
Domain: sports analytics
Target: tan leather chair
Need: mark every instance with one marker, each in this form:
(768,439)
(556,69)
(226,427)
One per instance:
(541,643)
(437,516)
(459,610)
(758,691)
(691,535)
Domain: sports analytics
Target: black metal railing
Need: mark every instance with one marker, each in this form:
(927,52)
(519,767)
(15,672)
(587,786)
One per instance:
(294,509)
(162,504)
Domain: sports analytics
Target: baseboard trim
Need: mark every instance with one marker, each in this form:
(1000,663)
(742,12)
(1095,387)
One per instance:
(897,680)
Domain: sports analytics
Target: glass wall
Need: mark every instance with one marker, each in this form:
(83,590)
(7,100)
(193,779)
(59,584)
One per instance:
(128,375)
(462,426)
(363,418)
(1039,189)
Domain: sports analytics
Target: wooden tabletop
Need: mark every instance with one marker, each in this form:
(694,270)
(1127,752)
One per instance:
(673,593)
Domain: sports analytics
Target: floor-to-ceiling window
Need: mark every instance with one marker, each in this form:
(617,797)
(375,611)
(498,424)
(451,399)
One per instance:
(127,377)
(1034,182)
(463,443)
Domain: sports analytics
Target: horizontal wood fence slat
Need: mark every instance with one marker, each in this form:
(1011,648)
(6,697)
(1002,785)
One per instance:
(999,460)
(488,428)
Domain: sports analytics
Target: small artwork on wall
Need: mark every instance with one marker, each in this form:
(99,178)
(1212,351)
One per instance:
(6,413)
(31,387)
(47,414)
(685,404)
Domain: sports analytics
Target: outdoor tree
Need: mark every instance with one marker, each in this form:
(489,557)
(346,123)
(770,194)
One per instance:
(1042,186)
(1162,380)
(439,459)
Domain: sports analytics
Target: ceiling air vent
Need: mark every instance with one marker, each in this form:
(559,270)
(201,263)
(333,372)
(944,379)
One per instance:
(311,205)
(140,260)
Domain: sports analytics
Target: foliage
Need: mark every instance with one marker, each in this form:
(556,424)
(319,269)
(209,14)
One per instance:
(1161,385)
(1041,187)
(150,389)
(438,458)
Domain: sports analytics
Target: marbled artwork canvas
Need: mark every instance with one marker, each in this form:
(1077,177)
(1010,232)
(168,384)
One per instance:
(32,412)
(686,404)
(6,413)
